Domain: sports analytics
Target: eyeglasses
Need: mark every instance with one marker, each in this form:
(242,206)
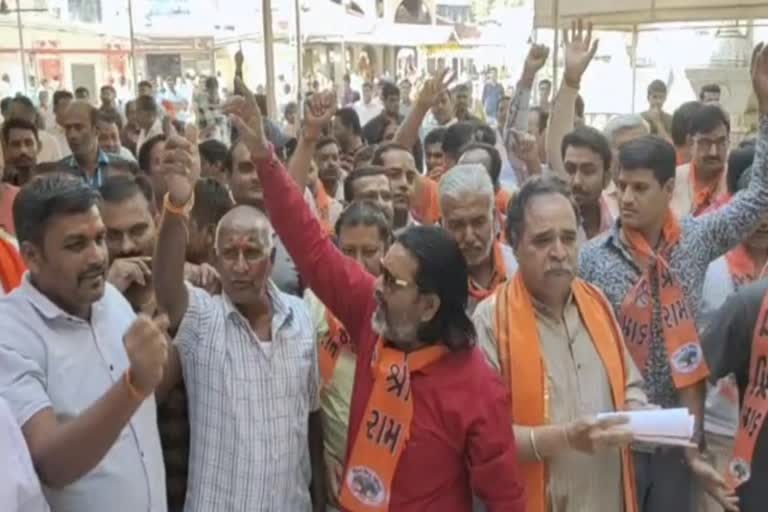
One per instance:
(391,282)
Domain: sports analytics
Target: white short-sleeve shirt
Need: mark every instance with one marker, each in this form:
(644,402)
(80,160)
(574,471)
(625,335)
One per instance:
(49,358)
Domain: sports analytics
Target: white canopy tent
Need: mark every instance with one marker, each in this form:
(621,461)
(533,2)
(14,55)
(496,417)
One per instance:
(636,15)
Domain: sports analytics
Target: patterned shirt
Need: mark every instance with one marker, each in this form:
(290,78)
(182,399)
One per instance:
(606,262)
(249,405)
(102,162)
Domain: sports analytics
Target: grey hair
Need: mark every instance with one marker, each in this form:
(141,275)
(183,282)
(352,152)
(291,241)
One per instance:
(625,122)
(463,179)
(259,218)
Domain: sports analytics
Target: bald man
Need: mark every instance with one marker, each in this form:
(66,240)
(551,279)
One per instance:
(249,361)
(86,160)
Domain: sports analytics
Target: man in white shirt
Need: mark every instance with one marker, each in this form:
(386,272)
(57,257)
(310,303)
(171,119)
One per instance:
(61,101)
(148,119)
(77,367)
(368,107)
(109,135)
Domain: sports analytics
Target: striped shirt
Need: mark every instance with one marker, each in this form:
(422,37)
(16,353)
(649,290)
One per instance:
(248,407)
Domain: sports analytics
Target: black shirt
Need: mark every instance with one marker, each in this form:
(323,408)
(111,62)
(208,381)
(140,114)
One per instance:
(727,344)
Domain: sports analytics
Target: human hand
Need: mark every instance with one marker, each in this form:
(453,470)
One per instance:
(579,52)
(180,164)
(589,435)
(537,57)
(434,86)
(318,112)
(147,349)
(245,115)
(203,276)
(759,70)
(123,272)
(713,482)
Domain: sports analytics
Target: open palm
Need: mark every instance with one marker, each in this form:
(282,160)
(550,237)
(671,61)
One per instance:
(245,114)
(579,51)
(318,113)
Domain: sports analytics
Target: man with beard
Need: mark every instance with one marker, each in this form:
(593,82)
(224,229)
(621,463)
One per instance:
(701,182)
(21,143)
(77,366)
(558,347)
(468,213)
(373,129)
(240,350)
(87,160)
(328,189)
(446,402)
(370,183)
(108,125)
(22,108)
(108,97)
(462,104)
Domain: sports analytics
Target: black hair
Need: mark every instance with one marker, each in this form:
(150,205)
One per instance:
(707,119)
(118,188)
(350,119)
(441,270)
(82,92)
(60,96)
(649,152)
(681,122)
(145,153)
(457,136)
(360,172)
(325,141)
(145,83)
(107,88)
(485,134)
(739,161)
(211,83)
(291,106)
(46,197)
(18,124)
(23,101)
(533,187)
(657,86)
(588,137)
(713,88)
(5,104)
(213,151)
(109,117)
(212,202)
(382,149)
(435,136)
(389,89)
(122,164)
(495,170)
(146,103)
(365,213)
(578,107)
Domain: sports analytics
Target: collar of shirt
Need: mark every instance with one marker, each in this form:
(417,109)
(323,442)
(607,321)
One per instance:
(44,305)
(282,313)
(102,161)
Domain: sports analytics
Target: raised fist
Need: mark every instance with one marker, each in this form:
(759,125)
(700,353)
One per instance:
(147,348)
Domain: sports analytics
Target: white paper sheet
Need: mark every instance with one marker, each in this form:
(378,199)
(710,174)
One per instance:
(659,426)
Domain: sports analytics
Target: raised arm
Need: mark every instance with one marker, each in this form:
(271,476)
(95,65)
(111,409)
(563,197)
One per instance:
(579,51)
(338,281)
(408,132)
(301,161)
(731,224)
(517,113)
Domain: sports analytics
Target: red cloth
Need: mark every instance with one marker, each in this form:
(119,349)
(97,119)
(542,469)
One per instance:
(461,434)
(7,195)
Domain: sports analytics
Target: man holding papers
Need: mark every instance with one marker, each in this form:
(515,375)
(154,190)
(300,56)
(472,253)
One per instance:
(559,349)
(736,342)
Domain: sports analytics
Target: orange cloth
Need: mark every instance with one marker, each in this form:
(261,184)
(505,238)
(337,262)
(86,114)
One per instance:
(7,195)
(11,266)
(704,196)
(754,409)
(323,202)
(437,173)
(502,201)
(367,484)
(498,277)
(680,157)
(426,209)
(522,368)
(331,346)
(741,267)
(681,339)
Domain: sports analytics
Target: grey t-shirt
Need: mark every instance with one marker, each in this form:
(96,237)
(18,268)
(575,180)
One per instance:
(284,273)
(727,343)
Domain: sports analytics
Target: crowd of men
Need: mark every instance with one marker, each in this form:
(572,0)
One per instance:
(398,304)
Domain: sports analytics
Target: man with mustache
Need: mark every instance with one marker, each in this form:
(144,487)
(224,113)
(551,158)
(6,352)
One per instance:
(87,159)
(558,347)
(445,400)
(328,190)
(77,366)
(701,182)
(402,173)
(22,145)
(370,183)
(468,213)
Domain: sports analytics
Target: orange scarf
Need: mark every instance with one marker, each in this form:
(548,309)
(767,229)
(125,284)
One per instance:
(680,336)
(703,195)
(437,172)
(741,267)
(522,368)
(426,210)
(11,266)
(754,409)
(381,439)
(498,277)
(323,201)
(502,201)
(331,345)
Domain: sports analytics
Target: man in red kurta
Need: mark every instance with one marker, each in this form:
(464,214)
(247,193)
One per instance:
(434,417)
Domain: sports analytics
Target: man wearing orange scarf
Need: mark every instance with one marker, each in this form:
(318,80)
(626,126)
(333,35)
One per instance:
(701,182)
(560,351)
(11,265)
(651,267)
(468,213)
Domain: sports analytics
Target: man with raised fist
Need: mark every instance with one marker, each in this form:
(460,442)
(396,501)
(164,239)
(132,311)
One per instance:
(78,368)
